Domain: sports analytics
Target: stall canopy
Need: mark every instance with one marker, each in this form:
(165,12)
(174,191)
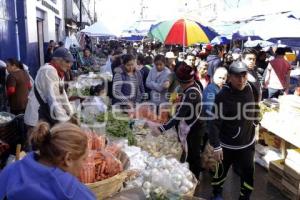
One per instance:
(261,43)
(138,30)
(272,27)
(98,29)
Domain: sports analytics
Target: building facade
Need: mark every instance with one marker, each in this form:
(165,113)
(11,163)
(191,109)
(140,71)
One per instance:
(73,12)
(26,28)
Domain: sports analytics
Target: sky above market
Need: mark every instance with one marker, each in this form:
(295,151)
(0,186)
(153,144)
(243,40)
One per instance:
(120,14)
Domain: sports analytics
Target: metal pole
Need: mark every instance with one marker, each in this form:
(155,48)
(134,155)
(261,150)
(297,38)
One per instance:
(94,11)
(80,14)
(17,32)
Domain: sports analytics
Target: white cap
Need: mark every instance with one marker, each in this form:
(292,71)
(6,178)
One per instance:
(170,54)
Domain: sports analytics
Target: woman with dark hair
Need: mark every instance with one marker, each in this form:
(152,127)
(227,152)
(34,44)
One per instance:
(158,80)
(49,173)
(128,87)
(17,86)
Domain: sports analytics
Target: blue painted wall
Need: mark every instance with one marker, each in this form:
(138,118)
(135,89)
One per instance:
(7,30)
(8,37)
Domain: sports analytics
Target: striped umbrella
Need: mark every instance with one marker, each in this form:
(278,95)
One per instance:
(183,31)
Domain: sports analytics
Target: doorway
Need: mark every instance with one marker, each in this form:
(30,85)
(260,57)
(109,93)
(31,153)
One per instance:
(40,34)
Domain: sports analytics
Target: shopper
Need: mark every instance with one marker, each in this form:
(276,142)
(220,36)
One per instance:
(210,92)
(17,86)
(51,173)
(187,118)
(203,76)
(128,87)
(249,58)
(50,50)
(232,132)
(214,60)
(158,81)
(277,78)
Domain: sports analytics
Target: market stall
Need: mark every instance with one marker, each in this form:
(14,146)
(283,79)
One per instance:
(125,159)
(278,147)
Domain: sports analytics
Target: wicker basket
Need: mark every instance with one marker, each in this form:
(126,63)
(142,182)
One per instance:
(108,187)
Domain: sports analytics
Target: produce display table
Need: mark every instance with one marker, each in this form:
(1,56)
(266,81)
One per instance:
(273,122)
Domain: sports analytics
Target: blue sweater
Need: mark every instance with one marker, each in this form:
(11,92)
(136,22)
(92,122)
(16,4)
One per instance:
(209,95)
(28,179)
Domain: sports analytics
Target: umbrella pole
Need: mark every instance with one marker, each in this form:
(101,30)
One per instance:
(242,45)
(183,39)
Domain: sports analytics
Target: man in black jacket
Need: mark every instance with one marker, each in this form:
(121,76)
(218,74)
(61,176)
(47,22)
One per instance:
(232,132)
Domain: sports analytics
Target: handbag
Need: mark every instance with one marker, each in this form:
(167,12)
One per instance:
(44,109)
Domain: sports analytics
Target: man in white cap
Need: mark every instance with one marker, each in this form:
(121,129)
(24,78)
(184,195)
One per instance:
(171,63)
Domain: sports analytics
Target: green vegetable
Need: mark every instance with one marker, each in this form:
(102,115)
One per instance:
(75,92)
(117,126)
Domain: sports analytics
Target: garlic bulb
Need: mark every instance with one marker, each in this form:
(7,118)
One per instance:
(147,185)
(183,189)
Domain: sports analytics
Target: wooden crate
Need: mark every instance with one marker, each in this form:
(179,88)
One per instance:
(275,173)
(273,180)
(292,169)
(277,166)
(288,194)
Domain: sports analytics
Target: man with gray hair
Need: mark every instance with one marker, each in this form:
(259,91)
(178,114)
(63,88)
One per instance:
(49,89)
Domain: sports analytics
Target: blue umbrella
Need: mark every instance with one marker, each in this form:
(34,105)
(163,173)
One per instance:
(220,40)
(238,36)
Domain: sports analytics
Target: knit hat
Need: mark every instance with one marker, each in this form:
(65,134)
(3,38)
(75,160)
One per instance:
(184,73)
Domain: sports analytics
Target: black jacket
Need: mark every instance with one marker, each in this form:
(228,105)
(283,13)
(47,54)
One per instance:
(189,109)
(232,129)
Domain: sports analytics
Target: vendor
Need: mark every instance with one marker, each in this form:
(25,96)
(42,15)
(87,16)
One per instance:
(51,173)
(187,118)
(88,61)
(17,86)
(49,89)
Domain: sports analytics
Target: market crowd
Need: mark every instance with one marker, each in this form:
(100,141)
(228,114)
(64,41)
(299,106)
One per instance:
(203,85)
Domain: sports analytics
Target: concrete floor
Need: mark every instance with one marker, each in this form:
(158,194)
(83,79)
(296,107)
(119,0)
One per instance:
(262,189)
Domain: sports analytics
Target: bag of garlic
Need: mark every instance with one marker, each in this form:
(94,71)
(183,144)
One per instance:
(168,177)
(207,158)
(163,145)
